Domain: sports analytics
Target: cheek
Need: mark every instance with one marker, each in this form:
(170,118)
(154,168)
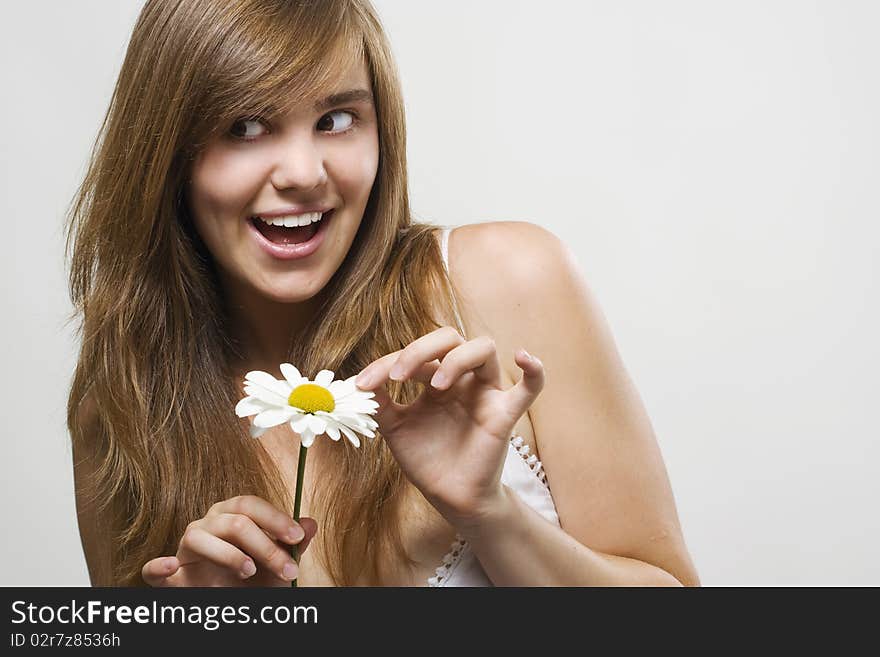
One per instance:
(355,170)
(222,184)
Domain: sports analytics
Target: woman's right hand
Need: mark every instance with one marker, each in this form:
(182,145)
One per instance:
(242,541)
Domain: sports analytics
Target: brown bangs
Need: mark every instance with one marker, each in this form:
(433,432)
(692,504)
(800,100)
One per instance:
(270,55)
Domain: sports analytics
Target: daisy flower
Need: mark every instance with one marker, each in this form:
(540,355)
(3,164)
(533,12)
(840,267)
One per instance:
(311,408)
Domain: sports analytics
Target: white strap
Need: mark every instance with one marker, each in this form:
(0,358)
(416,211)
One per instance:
(444,251)
(444,246)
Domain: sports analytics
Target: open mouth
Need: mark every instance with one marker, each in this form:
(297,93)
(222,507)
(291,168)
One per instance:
(284,232)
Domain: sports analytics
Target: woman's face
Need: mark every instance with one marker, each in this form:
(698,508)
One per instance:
(250,188)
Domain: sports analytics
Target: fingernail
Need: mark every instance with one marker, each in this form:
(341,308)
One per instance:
(396,372)
(439,379)
(290,571)
(248,568)
(295,534)
(363,378)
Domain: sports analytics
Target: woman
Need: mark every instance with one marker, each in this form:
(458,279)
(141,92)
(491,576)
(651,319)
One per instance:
(230,123)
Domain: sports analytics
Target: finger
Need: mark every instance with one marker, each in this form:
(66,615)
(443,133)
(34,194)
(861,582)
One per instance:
(242,532)
(389,413)
(478,355)
(369,377)
(522,395)
(424,372)
(378,373)
(375,377)
(278,524)
(434,345)
(199,544)
(157,571)
(311,528)
(402,365)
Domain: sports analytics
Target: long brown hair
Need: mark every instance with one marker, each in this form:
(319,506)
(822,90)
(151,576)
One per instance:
(156,352)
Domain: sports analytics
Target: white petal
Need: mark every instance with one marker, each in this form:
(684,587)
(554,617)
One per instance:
(362,429)
(317,424)
(269,382)
(300,424)
(307,438)
(250,406)
(324,378)
(267,396)
(351,437)
(262,378)
(294,378)
(256,431)
(342,389)
(339,419)
(362,394)
(332,430)
(362,407)
(273,417)
(348,420)
(358,398)
(354,420)
(346,409)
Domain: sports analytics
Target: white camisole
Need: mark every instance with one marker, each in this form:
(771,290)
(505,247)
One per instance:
(522,473)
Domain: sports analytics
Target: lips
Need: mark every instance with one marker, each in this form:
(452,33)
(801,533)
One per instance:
(284,243)
(286,236)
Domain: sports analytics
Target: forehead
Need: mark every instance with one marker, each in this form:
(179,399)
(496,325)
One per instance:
(355,74)
(354,77)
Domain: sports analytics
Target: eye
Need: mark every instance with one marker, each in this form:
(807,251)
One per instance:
(337,122)
(247,129)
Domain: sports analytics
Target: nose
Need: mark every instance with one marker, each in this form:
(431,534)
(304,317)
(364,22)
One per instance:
(299,166)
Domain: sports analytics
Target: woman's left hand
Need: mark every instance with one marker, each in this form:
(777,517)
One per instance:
(451,442)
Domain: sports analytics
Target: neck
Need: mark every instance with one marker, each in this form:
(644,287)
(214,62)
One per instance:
(264,328)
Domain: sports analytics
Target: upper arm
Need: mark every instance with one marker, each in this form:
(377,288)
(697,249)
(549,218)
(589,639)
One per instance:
(95,534)
(595,440)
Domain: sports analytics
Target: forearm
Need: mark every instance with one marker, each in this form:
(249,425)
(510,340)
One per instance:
(517,547)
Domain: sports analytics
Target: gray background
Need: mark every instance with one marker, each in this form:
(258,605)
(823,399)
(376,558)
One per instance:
(713,165)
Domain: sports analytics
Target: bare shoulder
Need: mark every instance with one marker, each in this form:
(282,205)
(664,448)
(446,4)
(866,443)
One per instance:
(520,245)
(498,268)
(524,286)
(488,260)
(494,266)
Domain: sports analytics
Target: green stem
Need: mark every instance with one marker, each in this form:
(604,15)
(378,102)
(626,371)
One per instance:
(297,500)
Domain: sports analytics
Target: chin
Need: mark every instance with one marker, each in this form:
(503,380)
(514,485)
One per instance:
(285,296)
(288,294)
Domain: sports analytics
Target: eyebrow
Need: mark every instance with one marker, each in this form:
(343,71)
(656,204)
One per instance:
(344,97)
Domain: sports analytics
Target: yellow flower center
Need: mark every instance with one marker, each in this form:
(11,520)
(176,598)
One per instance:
(311,397)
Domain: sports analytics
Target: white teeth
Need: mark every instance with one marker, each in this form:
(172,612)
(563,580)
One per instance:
(293,220)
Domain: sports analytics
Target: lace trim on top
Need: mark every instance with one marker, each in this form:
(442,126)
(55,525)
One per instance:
(451,558)
(531,460)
